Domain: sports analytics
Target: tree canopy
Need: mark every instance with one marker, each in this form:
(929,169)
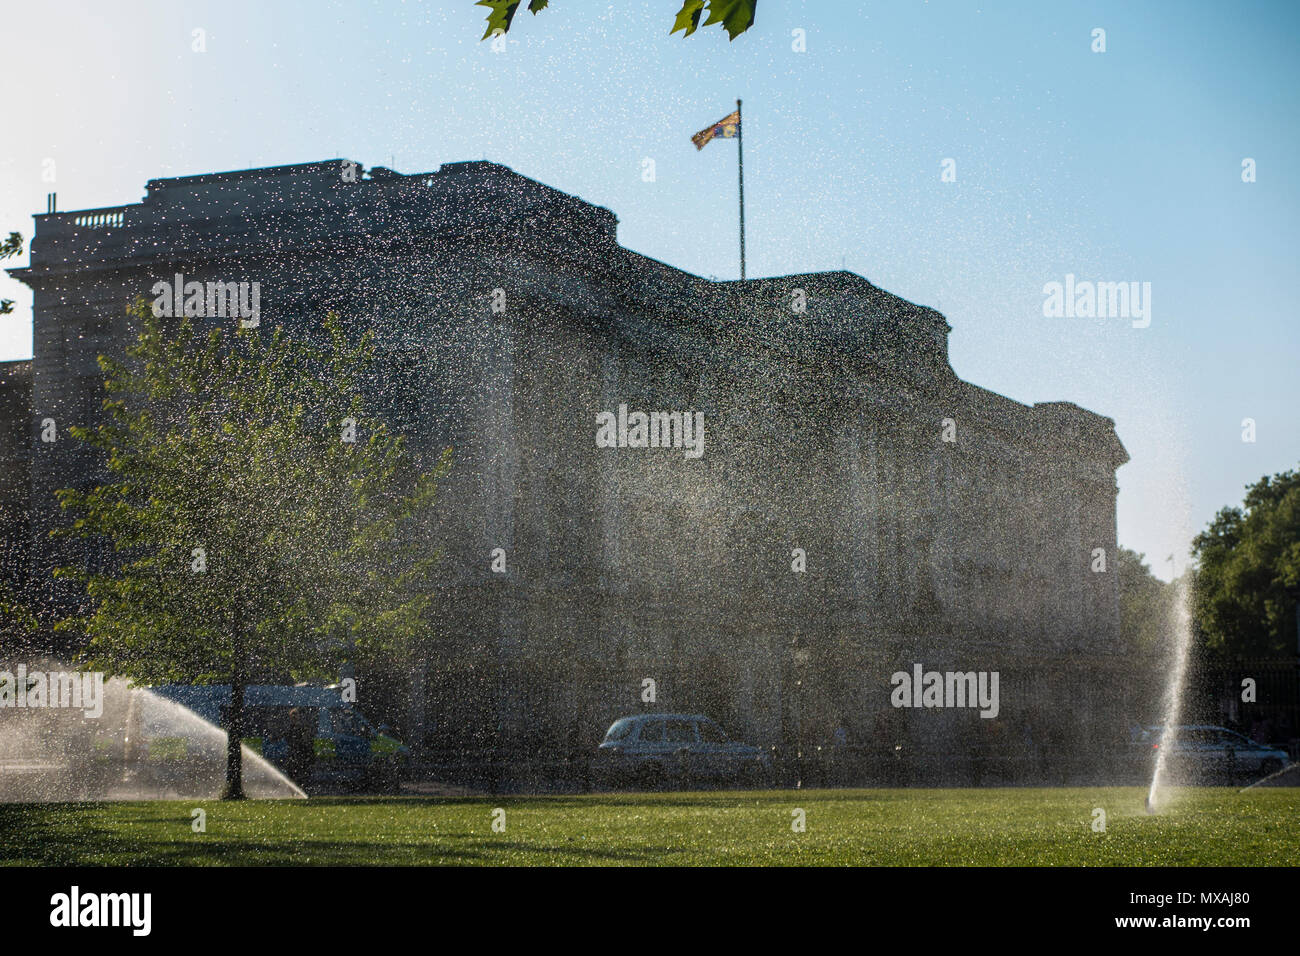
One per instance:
(262,519)
(1145,604)
(1249,577)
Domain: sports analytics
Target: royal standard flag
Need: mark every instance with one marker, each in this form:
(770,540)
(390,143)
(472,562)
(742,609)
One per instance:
(726,128)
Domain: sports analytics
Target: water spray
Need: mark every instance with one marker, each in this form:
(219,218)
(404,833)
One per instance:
(1173,702)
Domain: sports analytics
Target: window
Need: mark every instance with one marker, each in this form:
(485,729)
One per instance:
(619,730)
(711,733)
(652,731)
(348,723)
(680,731)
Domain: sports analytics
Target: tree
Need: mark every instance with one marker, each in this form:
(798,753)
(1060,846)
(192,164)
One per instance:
(13,246)
(735,16)
(19,627)
(263,519)
(1249,579)
(1145,604)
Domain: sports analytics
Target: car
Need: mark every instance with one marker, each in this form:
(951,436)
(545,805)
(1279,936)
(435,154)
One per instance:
(654,750)
(1207,750)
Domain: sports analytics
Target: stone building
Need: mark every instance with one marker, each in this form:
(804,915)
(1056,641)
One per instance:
(857,507)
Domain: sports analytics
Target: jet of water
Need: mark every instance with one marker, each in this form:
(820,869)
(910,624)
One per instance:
(141,747)
(1172,709)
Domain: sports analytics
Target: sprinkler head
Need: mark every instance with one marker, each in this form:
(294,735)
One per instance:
(1150,807)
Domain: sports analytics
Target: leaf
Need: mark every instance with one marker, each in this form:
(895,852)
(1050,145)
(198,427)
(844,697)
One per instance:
(501,12)
(688,18)
(230,444)
(736,16)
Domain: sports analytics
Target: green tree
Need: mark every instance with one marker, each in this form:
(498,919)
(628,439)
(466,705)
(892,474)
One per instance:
(1145,604)
(13,246)
(1249,578)
(19,627)
(735,16)
(253,536)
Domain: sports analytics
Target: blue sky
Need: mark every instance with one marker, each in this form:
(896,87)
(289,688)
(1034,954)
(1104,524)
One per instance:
(1123,165)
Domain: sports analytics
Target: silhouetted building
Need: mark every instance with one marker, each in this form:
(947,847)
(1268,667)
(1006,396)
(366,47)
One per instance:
(856,508)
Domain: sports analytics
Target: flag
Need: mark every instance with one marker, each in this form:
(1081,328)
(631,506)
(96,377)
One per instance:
(726,128)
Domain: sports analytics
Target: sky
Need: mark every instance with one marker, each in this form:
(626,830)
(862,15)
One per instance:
(1122,165)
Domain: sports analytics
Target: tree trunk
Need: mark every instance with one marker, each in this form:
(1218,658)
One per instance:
(235,730)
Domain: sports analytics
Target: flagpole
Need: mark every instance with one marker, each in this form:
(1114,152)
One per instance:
(740,154)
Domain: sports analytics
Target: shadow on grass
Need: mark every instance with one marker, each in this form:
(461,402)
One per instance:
(79,834)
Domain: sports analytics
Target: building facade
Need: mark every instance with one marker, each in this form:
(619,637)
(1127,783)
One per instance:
(856,508)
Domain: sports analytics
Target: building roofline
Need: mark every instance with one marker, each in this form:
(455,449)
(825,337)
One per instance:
(236,175)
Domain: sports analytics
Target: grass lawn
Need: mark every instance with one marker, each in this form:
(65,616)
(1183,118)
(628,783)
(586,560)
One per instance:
(1202,826)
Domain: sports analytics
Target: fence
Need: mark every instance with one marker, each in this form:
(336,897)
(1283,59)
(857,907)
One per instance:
(1259,698)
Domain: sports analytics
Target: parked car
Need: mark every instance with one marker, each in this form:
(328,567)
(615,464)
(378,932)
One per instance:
(653,750)
(1208,751)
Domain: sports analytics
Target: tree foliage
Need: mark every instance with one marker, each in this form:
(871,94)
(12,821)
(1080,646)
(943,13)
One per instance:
(1146,605)
(13,246)
(248,538)
(1249,578)
(20,629)
(735,16)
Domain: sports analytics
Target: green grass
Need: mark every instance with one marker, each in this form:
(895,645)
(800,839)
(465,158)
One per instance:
(1203,826)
